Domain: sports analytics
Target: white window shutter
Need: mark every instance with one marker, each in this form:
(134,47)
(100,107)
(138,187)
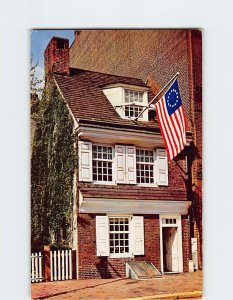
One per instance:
(162,167)
(85,161)
(131,164)
(138,235)
(102,236)
(120,163)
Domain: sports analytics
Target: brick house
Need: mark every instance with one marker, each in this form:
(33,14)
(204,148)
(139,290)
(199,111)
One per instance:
(154,56)
(130,203)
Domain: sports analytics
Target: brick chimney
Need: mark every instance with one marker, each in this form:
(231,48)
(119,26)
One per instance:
(56,57)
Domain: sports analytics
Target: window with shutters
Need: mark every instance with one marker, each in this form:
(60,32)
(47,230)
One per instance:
(122,164)
(119,236)
(102,158)
(145,166)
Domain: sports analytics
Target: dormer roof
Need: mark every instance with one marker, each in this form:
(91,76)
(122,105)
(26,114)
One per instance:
(83,91)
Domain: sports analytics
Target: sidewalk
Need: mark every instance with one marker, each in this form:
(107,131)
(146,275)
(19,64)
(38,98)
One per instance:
(174,286)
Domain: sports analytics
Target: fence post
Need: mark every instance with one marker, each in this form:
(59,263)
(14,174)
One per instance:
(74,275)
(47,273)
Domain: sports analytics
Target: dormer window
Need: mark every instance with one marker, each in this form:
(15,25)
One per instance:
(135,101)
(133,96)
(128,100)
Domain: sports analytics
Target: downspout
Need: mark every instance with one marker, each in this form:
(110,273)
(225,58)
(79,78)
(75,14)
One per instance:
(190,156)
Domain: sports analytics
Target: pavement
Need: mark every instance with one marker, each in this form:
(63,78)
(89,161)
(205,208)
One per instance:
(171,286)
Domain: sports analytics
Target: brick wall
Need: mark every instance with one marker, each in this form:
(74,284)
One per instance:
(156,54)
(196,44)
(91,266)
(186,242)
(104,267)
(57,56)
(176,189)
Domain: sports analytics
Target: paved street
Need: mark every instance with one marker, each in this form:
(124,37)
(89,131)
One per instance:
(176,286)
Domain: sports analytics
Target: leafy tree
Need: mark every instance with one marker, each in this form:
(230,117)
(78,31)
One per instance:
(52,171)
(36,88)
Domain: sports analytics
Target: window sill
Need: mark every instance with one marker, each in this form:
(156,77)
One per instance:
(104,182)
(126,255)
(147,185)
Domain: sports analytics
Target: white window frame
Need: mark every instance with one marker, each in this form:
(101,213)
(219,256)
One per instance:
(136,110)
(129,167)
(122,255)
(133,104)
(136,236)
(154,184)
(113,182)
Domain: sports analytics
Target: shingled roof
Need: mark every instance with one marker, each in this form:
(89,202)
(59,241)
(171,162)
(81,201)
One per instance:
(83,91)
(142,53)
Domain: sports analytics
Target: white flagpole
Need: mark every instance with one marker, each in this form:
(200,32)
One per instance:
(166,85)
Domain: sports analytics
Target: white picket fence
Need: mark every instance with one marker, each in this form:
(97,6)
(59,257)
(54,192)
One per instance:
(61,265)
(36,267)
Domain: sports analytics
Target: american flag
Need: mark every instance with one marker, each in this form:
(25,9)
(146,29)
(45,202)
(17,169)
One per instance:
(172,121)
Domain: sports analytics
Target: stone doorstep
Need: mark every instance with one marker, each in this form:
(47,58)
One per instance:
(180,295)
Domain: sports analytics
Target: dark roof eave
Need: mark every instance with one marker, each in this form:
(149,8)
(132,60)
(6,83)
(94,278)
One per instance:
(117,125)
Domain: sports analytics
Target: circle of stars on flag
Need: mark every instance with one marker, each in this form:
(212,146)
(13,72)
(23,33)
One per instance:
(174,98)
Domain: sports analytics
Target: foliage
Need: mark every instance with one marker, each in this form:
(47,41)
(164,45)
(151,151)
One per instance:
(36,88)
(52,170)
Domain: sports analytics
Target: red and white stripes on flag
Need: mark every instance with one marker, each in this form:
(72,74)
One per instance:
(172,121)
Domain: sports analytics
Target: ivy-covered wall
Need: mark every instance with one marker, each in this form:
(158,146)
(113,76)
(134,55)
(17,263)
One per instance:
(52,170)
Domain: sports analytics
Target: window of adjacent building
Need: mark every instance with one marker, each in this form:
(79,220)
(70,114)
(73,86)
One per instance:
(135,101)
(145,166)
(119,235)
(102,157)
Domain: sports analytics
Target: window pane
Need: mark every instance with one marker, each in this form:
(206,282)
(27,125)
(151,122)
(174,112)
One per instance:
(119,235)
(131,96)
(102,163)
(140,97)
(145,166)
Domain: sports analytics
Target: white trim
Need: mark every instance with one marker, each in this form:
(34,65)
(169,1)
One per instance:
(131,235)
(120,206)
(113,182)
(121,255)
(122,137)
(178,225)
(102,236)
(127,86)
(154,167)
(85,161)
(104,182)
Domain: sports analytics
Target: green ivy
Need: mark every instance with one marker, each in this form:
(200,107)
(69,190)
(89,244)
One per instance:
(52,169)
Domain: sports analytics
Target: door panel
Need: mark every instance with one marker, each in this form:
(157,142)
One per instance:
(170,249)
